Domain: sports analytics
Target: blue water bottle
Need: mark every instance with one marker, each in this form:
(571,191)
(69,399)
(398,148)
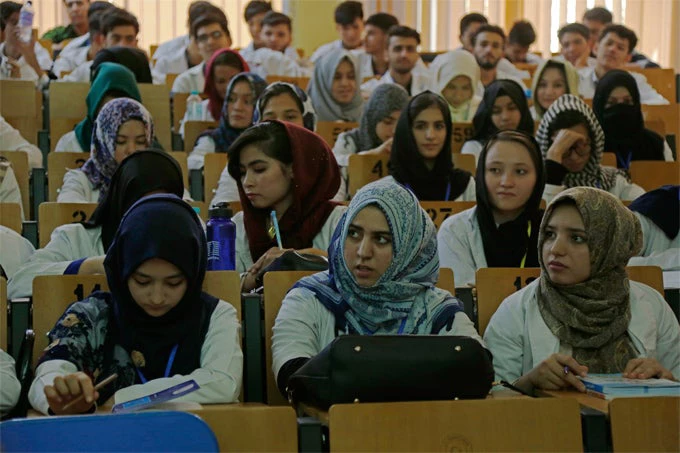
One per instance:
(221,234)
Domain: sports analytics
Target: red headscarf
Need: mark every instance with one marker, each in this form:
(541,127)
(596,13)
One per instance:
(215,99)
(316,180)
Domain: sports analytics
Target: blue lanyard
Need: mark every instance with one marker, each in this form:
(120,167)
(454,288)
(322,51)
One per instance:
(168,367)
(448,190)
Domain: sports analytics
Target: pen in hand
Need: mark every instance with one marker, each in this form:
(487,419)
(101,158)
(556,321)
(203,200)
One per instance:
(275,224)
(101,384)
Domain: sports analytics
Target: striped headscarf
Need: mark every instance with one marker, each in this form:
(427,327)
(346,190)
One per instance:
(299,96)
(407,288)
(593,174)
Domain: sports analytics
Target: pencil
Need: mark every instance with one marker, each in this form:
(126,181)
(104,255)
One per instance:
(275,223)
(106,381)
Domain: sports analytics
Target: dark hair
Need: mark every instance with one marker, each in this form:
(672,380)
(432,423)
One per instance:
(198,9)
(278,89)
(383,21)
(402,31)
(490,29)
(133,59)
(347,12)
(208,19)
(622,32)
(271,138)
(471,18)
(567,119)
(96,7)
(94,21)
(522,33)
(599,14)
(117,17)
(515,136)
(6,11)
(426,100)
(255,7)
(575,27)
(273,18)
(228,59)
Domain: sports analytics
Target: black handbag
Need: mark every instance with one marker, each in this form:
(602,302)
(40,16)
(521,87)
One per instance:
(292,260)
(362,368)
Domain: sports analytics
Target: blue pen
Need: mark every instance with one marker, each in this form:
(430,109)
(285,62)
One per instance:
(275,222)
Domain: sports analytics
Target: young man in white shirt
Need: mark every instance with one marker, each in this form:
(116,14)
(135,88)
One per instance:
(574,47)
(211,33)
(373,60)
(254,14)
(520,38)
(614,50)
(402,55)
(349,23)
(488,47)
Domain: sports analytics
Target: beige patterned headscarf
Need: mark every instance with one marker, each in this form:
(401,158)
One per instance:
(593,316)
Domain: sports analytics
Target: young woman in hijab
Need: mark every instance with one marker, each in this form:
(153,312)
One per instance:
(583,315)
(503,107)
(502,230)
(279,101)
(572,143)
(552,79)
(219,70)
(383,267)
(112,81)
(291,171)
(78,248)
(154,329)
(375,131)
(334,87)
(456,78)
(236,116)
(421,152)
(659,214)
(123,126)
(132,58)
(616,104)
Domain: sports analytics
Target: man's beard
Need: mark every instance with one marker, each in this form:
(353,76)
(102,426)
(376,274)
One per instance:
(487,65)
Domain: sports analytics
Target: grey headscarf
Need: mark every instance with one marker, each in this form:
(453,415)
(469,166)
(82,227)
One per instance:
(387,98)
(327,108)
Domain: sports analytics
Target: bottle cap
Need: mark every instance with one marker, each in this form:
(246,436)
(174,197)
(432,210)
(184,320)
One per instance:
(194,92)
(221,210)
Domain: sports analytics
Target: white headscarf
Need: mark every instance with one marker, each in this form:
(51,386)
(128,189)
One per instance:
(327,108)
(451,65)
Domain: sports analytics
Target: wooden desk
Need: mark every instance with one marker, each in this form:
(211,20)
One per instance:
(583,399)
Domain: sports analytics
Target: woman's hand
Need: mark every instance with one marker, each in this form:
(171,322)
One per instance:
(65,389)
(384,148)
(645,368)
(557,372)
(92,265)
(563,142)
(249,280)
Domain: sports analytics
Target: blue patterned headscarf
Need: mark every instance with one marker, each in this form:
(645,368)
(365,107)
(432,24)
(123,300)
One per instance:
(102,163)
(407,288)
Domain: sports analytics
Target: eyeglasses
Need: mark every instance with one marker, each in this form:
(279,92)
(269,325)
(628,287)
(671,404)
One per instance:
(217,34)
(580,148)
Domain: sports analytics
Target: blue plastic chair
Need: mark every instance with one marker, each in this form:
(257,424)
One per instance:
(139,431)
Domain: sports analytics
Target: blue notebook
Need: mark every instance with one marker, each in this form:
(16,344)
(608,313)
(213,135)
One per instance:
(156,398)
(611,385)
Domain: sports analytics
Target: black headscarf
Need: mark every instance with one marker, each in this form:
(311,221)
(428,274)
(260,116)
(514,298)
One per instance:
(160,226)
(623,125)
(133,59)
(482,123)
(408,167)
(661,206)
(507,244)
(140,173)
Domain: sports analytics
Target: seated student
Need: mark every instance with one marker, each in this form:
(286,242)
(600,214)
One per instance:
(456,78)
(334,87)
(572,143)
(236,116)
(112,81)
(502,230)
(488,44)
(220,69)
(253,14)
(583,315)
(373,60)
(77,14)
(614,51)
(402,55)
(123,126)
(503,107)
(277,57)
(383,268)
(118,28)
(19,61)
(375,131)
(520,37)
(349,23)
(16,251)
(211,33)
(659,214)
(551,80)
(616,105)
(279,101)
(287,169)
(421,152)
(9,187)
(132,58)
(154,329)
(11,386)
(11,140)
(574,46)
(79,248)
